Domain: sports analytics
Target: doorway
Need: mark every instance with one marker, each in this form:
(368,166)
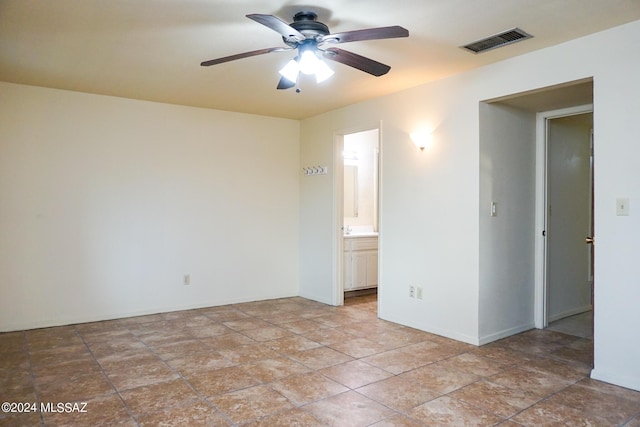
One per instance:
(513,167)
(568,221)
(357,193)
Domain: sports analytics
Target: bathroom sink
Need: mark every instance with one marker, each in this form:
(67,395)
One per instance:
(361,234)
(360,231)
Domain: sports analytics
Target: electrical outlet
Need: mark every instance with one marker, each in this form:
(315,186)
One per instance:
(412,291)
(419,292)
(622,206)
(187,279)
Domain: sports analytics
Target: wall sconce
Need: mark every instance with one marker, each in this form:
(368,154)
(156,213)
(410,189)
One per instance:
(421,138)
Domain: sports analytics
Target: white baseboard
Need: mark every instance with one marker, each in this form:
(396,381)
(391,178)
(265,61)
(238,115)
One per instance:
(316,298)
(568,313)
(486,339)
(632,383)
(430,329)
(75,319)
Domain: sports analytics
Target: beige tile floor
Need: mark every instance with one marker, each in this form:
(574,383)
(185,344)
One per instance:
(294,362)
(580,325)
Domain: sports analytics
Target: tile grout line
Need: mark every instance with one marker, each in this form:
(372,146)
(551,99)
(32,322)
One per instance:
(175,371)
(36,390)
(117,392)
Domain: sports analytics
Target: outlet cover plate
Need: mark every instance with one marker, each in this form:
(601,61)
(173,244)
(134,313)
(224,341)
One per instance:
(622,206)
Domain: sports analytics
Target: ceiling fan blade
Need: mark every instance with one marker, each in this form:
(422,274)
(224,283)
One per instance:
(368,34)
(279,26)
(243,55)
(356,61)
(285,83)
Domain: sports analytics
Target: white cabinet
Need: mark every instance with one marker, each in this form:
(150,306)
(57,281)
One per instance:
(360,263)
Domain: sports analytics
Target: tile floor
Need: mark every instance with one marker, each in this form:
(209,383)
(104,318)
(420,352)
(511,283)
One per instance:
(294,362)
(580,325)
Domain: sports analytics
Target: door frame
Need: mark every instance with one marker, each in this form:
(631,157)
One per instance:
(337,293)
(541,292)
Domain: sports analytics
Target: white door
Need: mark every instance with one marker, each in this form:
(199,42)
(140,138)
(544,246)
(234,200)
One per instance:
(569,215)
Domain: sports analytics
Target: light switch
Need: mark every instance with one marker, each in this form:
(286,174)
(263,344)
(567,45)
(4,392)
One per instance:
(622,206)
(494,209)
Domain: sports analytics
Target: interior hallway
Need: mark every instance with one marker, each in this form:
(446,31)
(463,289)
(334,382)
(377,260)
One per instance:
(292,360)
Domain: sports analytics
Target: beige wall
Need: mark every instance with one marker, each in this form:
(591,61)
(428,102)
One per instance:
(106,203)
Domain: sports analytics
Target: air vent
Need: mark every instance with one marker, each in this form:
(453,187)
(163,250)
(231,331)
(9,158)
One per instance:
(499,40)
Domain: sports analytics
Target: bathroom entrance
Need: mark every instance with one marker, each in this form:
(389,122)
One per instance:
(358,190)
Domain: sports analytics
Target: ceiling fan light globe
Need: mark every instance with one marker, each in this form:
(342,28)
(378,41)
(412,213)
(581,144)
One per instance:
(308,62)
(323,72)
(290,71)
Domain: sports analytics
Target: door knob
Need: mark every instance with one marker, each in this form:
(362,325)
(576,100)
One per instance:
(589,240)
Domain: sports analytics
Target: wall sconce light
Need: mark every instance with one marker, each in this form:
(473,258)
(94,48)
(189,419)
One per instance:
(421,138)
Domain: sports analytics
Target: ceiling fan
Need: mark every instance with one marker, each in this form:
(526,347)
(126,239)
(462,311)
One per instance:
(313,41)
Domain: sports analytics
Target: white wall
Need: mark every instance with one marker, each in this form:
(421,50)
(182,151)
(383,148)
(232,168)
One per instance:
(105,203)
(617,150)
(429,219)
(507,177)
(424,199)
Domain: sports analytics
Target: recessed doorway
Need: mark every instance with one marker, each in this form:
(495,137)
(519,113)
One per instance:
(513,177)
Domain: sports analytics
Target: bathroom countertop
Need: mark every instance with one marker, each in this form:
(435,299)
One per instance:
(361,234)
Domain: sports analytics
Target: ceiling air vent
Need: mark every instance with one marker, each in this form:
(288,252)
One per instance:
(499,40)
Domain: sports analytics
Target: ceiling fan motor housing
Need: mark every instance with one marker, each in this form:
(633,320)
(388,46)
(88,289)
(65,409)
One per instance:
(306,23)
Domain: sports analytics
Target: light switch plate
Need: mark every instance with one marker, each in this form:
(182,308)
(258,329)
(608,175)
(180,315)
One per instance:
(494,209)
(622,206)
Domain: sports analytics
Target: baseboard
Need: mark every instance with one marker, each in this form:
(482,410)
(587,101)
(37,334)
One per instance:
(73,320)
(632,383)
(360,292)
(486,339)
(568,313)
(436,331)
(316,298)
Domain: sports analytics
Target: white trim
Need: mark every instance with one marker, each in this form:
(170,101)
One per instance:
(632,383)
(473,340)
(540,264)
(380,214)
(504,334)
(73,319)
(570,313)
(337,292)
(539,317)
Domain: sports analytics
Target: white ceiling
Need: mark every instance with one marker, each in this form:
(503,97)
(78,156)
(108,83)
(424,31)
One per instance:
(152,49)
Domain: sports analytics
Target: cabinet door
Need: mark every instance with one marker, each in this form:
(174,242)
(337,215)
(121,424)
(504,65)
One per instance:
(359,270)
(372,269)
(348,271)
